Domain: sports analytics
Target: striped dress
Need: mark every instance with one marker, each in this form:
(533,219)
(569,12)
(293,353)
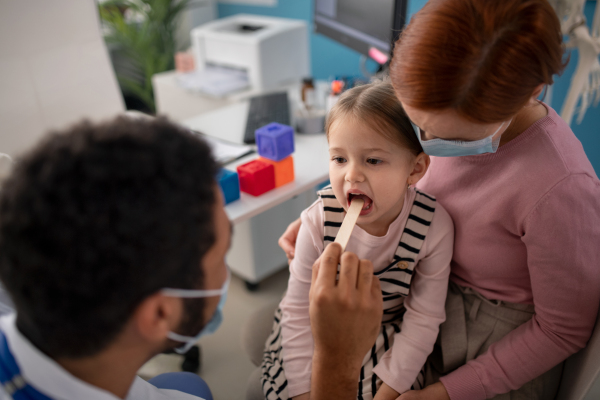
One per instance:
(395,282)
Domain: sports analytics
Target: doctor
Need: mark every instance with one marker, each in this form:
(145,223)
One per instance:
(112,245)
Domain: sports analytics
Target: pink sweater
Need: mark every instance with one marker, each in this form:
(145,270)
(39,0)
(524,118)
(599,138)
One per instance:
(424,305)
(527,225)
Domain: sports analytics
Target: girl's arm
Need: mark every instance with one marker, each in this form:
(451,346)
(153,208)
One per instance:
(297,339)
(425,307)
(287,241)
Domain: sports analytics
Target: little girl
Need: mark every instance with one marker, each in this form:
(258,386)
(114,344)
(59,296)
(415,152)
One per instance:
(375,156)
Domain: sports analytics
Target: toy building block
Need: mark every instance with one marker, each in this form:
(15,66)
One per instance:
(284,170)
(230,185)
(275,141)
(256,177)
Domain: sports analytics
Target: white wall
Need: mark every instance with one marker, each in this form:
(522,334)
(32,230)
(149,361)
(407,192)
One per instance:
(54,69)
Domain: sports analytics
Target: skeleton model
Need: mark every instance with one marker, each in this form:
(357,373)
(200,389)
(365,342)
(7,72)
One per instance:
(585,82)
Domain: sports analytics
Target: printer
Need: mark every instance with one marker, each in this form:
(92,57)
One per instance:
(272,51)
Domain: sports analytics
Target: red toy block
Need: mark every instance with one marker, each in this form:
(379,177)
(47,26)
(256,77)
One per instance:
(284,170)
(256,177)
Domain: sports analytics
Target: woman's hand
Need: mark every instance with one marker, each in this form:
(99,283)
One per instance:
(345,317)
(437,391)
(287,241)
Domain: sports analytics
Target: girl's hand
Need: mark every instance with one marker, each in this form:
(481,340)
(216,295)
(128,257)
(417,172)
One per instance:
(437,391)
(386,393)
(287,241)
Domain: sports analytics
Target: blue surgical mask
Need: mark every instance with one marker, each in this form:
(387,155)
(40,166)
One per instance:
(456,148)
(214,322)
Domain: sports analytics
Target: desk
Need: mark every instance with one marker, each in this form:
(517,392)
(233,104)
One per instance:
(178,103)
(259,221)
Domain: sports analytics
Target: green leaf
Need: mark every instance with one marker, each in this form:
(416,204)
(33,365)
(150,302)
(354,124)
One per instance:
(148,45)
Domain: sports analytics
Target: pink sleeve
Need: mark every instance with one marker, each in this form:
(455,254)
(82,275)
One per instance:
(297,340)
(561,234)
(399,366)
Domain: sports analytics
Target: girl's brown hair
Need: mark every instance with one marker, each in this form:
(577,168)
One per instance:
(376,105)
(481,58)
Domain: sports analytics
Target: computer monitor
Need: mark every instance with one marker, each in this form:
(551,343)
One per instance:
(361,24)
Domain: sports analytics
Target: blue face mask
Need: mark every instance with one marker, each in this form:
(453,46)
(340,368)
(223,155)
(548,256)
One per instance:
(456,148)
(214,322)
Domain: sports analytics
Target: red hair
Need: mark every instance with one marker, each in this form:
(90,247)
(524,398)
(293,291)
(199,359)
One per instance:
(481,58)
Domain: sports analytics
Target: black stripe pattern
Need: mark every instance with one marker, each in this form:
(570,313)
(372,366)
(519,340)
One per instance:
(395,281)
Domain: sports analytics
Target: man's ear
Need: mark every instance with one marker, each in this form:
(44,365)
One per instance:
(420,166)
(156,315)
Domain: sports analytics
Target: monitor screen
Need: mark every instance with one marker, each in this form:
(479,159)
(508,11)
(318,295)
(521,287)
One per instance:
(360,24)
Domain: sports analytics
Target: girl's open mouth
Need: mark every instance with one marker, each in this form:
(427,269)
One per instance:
(367,207)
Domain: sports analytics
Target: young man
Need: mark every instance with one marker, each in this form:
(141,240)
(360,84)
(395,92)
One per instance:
(112,245)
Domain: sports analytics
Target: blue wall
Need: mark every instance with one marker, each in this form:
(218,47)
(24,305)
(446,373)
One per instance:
(328,58)
(588,132)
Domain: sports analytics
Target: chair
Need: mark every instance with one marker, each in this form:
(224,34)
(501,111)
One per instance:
(54,71)
(581,370)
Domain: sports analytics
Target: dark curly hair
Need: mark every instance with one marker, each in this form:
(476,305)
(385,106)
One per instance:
(95,219)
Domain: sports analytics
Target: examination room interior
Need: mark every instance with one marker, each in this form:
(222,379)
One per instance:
(230,67)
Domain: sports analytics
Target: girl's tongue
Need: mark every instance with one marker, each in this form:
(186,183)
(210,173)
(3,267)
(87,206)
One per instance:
(365,198)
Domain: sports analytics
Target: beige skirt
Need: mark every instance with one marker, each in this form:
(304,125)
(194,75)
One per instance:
(472,324)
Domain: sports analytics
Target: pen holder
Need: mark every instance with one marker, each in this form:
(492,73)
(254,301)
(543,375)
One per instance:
(310,121)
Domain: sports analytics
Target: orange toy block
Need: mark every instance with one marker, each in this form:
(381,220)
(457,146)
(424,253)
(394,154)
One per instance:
(284,170)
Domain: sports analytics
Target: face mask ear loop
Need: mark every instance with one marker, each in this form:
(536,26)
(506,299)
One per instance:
(194,294)
(500,127)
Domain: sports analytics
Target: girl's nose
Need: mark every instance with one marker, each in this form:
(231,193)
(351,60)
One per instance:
(354,174)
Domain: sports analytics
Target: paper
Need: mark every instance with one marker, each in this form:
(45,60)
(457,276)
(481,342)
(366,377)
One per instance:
(224,151)
(215,81)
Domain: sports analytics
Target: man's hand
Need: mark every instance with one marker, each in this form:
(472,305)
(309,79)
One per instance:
(437,391)
(345,317)
(386,393)
(287,241)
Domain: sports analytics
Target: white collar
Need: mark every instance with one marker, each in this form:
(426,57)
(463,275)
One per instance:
(47,376)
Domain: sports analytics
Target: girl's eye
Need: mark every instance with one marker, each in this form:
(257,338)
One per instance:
(374,161)
(339,160)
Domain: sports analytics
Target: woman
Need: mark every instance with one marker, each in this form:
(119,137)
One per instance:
(525,283)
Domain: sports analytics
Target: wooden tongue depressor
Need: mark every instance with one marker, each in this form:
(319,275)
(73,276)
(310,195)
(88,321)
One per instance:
(349,221)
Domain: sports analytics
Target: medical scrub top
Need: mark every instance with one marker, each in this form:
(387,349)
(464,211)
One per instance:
(50,379)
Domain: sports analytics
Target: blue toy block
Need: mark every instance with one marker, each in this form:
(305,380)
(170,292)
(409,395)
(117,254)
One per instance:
(230,185)
(275,141)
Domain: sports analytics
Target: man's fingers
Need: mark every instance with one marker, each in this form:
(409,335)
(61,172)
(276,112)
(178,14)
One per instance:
(315,273)
(348,270)
(376,285)
(365,275)
(327,266)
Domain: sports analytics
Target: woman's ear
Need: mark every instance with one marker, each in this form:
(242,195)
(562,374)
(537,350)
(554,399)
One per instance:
(420,166)
(536,93)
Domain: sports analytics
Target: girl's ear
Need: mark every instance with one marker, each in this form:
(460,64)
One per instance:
(420,166)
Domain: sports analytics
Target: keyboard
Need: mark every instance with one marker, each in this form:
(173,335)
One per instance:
(264,110)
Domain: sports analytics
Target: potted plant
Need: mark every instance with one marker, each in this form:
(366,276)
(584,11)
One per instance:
(141,36)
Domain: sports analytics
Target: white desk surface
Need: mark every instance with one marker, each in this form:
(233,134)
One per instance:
(311,160)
